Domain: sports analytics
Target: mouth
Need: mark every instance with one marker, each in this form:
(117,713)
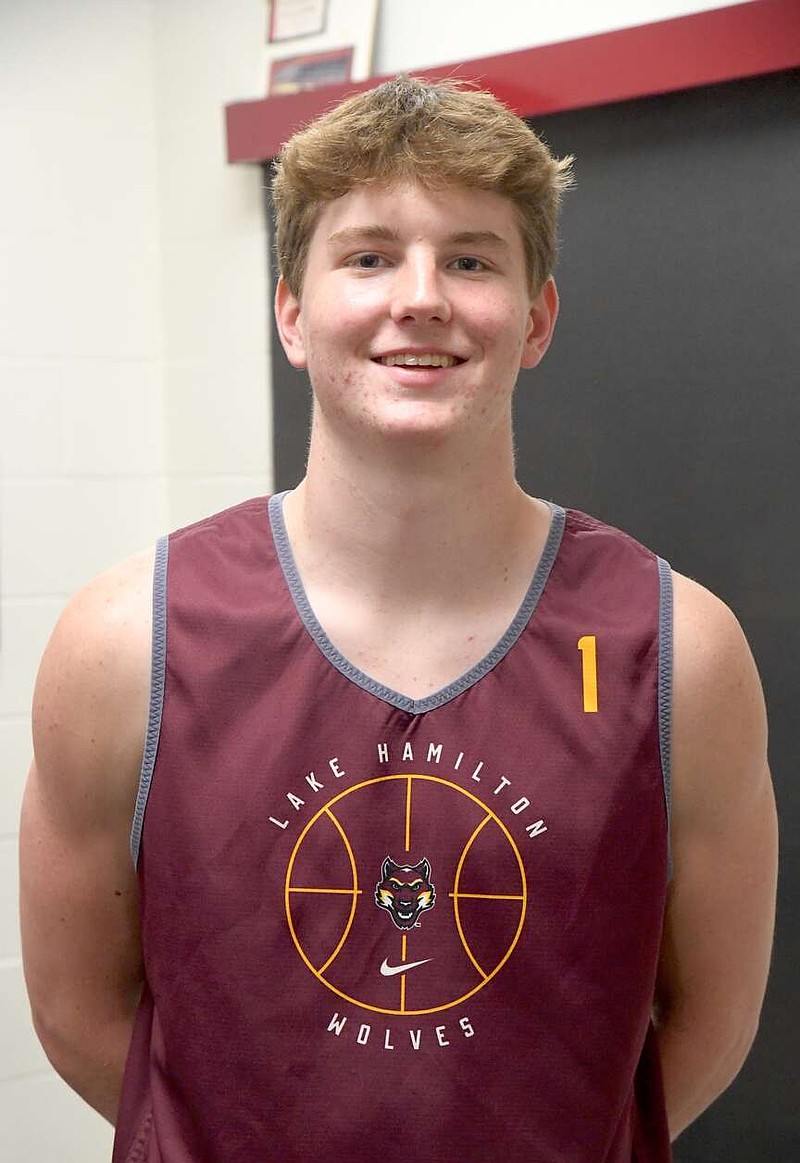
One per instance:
(419,359)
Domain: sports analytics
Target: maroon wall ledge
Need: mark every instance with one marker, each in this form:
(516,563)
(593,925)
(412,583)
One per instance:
(742,40)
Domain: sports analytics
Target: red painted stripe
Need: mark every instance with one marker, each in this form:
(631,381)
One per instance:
(742,40)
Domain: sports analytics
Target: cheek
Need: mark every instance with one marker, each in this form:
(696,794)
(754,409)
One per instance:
(338,334)
(331,373)
(501,324)
(349,305)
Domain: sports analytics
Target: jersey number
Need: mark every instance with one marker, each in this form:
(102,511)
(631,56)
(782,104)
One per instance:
(588,648)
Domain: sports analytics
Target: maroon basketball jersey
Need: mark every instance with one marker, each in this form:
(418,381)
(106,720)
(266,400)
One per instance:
(393,930)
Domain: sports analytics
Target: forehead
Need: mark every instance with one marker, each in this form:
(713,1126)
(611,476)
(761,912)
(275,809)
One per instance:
(408,211)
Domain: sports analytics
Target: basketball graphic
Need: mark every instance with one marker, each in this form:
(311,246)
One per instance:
(445,953)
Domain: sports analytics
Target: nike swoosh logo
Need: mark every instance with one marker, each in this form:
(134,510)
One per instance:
(390,970)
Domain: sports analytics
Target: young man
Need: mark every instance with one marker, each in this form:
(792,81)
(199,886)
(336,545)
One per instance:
(436,794)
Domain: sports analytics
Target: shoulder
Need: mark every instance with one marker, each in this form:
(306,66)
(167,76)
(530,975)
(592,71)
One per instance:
(705,623)
(92,690)
(719,717)
(104,629)
(714,666)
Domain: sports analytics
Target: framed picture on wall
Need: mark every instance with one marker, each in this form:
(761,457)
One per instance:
(311,43)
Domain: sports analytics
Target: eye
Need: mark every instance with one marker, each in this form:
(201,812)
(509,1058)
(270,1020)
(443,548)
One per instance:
(468,263)
(366,262)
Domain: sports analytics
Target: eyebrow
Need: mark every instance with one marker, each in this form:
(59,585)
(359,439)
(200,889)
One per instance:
(477,238)
(379,233)
(354,234)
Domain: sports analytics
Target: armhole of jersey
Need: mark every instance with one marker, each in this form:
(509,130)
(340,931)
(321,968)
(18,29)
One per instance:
(665,629)
(157,673)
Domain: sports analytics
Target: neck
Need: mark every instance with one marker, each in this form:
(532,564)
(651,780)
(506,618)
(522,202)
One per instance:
(418,522)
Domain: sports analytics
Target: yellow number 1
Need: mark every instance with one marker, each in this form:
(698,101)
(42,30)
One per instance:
(588,648)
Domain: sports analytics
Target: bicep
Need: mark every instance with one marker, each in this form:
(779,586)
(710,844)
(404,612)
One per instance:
(79,915)
(78,888)
(719,923)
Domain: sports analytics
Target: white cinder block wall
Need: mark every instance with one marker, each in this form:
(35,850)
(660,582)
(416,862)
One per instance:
(133,341)
(133,371)
(81,412)
(214,268)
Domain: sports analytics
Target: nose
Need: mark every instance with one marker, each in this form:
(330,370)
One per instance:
(419,293)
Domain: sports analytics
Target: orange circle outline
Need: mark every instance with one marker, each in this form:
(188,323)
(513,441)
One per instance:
(355,891)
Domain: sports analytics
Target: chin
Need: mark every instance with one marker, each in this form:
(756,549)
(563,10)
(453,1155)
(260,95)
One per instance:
(429,430)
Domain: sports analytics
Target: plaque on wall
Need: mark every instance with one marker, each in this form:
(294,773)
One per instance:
(311,43)
(291,19)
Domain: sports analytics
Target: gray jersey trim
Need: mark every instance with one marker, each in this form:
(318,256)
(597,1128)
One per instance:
(457,687)
(665,658)
(157,675)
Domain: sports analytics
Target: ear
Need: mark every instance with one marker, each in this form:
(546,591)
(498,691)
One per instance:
(287,319)
(541,324)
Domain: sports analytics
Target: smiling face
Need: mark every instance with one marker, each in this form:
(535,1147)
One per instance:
(415,315)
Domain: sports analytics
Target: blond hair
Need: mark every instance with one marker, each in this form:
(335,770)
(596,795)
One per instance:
(438,134)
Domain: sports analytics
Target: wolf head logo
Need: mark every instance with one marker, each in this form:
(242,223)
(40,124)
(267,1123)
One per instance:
(405,891)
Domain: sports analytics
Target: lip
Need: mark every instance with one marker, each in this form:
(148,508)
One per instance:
(417,379)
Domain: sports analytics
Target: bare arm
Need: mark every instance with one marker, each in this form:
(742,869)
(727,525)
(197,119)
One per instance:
(721,909)
(79,899)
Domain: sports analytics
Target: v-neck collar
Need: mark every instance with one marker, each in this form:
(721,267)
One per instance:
(359,677)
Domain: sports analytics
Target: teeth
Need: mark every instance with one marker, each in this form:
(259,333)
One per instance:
(429,359)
